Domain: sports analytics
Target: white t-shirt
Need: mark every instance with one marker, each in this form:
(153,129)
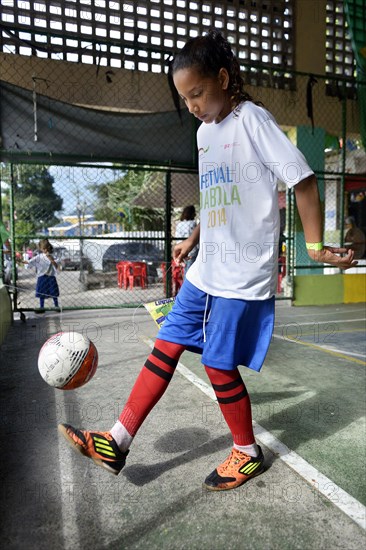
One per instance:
(183,230)
(42,265)
(240,161)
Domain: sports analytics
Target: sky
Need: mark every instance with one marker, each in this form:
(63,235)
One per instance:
(72,182)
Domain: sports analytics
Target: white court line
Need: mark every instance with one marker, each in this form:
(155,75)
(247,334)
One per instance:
(351,353)
(322,346)
(320,314)
(325,486)
(287,325)
(70,530)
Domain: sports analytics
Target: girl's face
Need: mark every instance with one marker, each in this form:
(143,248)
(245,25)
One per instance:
(206,97)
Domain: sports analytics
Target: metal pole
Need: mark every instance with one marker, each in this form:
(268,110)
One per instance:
(82,275)
(343,175)
(12,237)
(35,115)
(2,265)
(168,234)
(290,243)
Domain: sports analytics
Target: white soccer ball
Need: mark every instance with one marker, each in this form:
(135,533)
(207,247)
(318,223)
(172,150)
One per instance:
(67,360)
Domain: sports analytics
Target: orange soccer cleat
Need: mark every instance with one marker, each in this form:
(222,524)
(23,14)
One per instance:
(234,471)
(99,446)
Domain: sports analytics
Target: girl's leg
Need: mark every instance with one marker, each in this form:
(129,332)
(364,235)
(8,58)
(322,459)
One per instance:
(235,406)
(41,302)
(109,449)
(149,387)
(53,289)
(246,459)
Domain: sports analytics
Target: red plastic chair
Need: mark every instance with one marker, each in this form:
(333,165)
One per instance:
(177,272)
(281,272)
(122,270)
(137,275)
(177,277)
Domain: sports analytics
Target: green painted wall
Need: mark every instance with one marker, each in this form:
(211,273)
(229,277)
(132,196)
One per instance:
(311,143)
(320,290)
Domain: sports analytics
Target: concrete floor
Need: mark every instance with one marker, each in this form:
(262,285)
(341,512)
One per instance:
(309,398)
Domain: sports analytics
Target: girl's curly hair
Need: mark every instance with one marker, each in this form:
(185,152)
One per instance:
(210,53)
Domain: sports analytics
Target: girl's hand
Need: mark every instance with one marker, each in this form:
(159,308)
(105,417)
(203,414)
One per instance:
(181,251)
(330,255)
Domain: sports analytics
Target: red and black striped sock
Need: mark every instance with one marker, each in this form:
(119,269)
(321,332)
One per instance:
(234,403)
(151,383)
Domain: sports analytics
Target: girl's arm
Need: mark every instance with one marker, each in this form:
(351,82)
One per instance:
(29,263)
(182,249)
(309,207)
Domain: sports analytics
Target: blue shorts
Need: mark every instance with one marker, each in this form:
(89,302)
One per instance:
(227,332)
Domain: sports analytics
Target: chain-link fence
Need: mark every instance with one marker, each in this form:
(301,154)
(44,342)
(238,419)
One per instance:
(333,148)
(111,216)
(103,165)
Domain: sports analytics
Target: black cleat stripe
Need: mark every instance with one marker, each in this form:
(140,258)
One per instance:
(164,357)
(233,398)
(77,432)
(158,371)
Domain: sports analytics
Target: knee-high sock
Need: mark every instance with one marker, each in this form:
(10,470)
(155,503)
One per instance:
(234,403)
(150,384)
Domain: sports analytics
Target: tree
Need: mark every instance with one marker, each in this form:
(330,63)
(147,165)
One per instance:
(35,201)
(102,211)
(119,196)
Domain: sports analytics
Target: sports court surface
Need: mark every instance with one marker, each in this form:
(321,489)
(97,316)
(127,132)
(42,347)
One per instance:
(309,412)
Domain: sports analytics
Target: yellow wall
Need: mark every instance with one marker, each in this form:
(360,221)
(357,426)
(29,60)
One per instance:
(320,290)
(354,288)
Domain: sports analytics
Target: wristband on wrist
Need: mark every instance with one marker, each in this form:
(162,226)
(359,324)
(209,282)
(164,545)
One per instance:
(314,246)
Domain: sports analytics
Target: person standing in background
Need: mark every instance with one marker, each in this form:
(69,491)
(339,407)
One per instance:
(184,229)
(354,238)
(46,270)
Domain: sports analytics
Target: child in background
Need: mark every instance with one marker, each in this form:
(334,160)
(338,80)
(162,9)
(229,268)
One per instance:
(184,229)
(46,270)
(225,307)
